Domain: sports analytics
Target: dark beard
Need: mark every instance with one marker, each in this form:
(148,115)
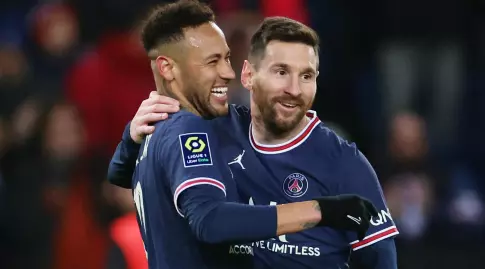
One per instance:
(279,129)
(272,123)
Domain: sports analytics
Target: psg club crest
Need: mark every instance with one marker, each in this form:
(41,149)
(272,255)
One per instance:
(295,185)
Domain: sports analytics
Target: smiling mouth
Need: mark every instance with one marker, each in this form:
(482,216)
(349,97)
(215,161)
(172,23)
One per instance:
(219,92)
(288,105)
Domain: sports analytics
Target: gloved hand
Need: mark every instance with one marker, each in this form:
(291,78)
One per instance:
(347,212)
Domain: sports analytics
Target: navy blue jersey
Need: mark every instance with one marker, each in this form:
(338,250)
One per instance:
(182,154)
(315,163)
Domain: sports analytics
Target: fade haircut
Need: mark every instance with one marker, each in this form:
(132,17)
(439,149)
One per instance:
(167,22)
(284,30)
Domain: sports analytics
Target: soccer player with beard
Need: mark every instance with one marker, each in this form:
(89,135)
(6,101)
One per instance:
(189,210)
(300,157)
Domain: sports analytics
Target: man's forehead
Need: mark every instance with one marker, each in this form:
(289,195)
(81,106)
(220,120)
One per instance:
(204,35)
(292,54)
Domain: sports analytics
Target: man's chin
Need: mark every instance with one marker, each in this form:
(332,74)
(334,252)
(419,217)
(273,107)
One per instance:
(281,125)
(220,109)
(288,123)
(218,100)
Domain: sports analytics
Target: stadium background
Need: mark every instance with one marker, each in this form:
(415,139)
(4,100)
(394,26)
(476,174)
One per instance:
(403,78)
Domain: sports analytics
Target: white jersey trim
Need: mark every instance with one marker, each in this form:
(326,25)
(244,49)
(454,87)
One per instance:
(290,144)
(374,238)
(195,182)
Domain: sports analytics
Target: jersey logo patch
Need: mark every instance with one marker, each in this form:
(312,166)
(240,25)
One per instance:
(295,185)
(195,149)
(238,160)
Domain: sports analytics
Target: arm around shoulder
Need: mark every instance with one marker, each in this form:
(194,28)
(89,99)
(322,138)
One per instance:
(123,162)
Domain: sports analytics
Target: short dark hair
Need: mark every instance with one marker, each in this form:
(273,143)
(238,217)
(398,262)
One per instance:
(167,22)
(281,29)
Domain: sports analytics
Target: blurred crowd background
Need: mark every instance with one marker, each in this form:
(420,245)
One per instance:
(404,79)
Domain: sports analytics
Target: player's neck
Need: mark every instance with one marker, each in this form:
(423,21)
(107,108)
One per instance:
(184,104)
(264,136)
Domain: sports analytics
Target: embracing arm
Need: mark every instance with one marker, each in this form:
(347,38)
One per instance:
(123,162)
(215,220)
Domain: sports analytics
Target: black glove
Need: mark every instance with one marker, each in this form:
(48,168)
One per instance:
(347,212)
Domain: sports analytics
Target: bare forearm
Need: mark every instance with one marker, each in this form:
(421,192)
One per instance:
(297,217)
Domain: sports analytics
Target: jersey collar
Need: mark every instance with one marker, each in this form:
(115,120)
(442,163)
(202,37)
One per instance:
(292,143)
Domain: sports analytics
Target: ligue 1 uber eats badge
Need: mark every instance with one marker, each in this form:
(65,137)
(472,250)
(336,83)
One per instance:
(195,149)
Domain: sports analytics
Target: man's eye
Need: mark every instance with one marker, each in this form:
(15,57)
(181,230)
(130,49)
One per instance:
(307,77)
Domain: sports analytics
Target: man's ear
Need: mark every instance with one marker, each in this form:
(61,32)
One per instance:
(247,75)
(165,67)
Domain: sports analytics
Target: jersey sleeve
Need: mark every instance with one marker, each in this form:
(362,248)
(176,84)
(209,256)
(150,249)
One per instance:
(122,164)
(187,156)
(356,176)
(381,255)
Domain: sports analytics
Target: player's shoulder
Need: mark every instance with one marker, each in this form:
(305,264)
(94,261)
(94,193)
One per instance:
(182,118)
(239,114)
(237,119)
(179,123)
(239,110)
(335,146)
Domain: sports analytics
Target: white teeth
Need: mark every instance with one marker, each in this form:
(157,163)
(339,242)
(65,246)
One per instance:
(219,90)
(217,94)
